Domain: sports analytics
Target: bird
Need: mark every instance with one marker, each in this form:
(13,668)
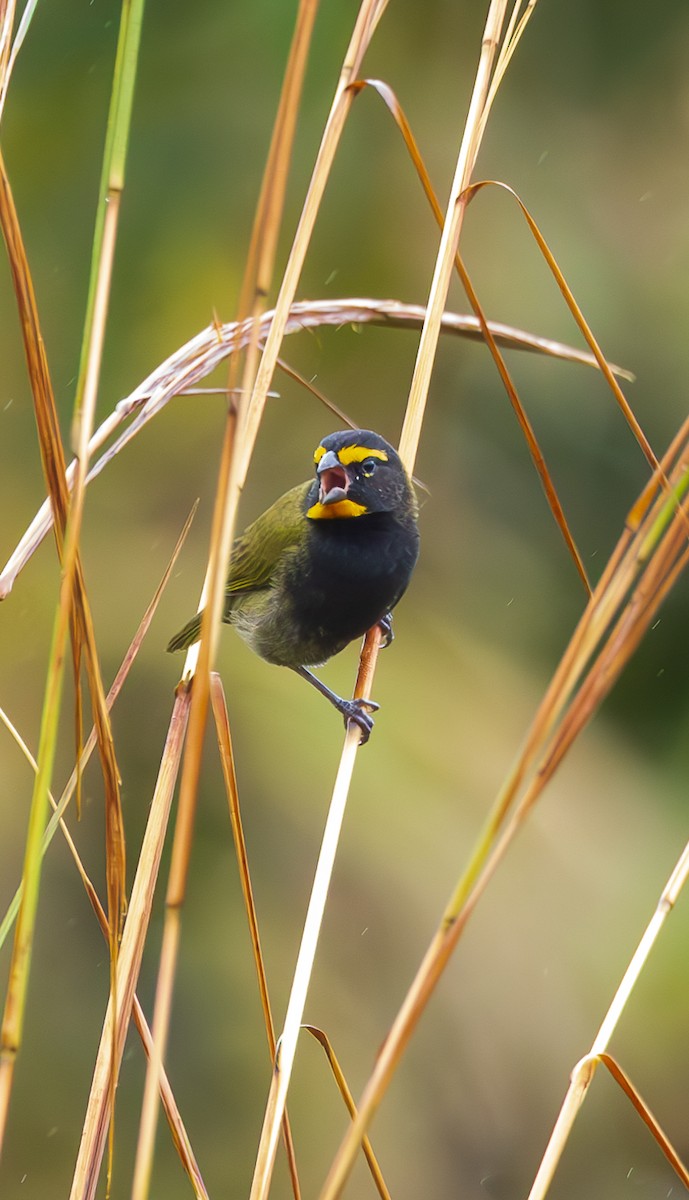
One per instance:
(325,563)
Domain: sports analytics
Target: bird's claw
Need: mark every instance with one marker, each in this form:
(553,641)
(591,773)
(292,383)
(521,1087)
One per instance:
(387,635)
(355,710)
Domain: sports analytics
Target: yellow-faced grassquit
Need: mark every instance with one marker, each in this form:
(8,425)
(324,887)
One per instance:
(324,563)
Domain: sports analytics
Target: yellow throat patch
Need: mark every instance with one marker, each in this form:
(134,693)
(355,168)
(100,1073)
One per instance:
(342,508)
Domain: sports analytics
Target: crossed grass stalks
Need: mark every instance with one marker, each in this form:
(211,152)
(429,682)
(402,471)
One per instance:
(647,561)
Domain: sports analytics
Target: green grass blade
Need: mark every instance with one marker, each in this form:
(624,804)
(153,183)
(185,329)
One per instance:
(113,171)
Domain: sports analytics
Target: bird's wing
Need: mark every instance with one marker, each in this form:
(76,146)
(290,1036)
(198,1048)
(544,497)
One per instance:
(258,551)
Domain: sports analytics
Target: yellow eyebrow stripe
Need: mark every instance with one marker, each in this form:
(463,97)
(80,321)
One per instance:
(351,454)
(356,454)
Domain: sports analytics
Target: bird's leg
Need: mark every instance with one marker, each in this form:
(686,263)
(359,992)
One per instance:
(385,626)
(351,710)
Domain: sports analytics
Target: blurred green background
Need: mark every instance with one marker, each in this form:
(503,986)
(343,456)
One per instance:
(591,129)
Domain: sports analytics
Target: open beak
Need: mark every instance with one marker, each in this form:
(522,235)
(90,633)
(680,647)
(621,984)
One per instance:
(332,478)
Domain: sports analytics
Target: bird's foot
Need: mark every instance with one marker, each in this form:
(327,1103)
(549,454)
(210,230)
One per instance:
(387,635)
(352,710)
(355,710)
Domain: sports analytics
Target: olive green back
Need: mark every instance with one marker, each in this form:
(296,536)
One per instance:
(258,550)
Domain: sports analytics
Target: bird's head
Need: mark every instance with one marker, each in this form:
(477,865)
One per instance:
(359,473)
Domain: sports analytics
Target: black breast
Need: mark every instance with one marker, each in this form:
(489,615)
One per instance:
(353,572)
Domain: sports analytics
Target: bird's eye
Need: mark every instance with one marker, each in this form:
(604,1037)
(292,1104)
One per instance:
(368,466)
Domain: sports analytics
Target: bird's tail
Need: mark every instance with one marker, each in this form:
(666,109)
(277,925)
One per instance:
(187,635)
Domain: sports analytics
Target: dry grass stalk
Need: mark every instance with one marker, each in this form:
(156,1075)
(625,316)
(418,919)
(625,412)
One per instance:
(94,1132)
(583,1072)
(7,11)
(449,241)
(260,263)
(348,1098)
(515,28)
(8,54)
(113,693)
(200,659)
(370,13)
(179,1133)
(198,357)
(578,315)
(646,1116)
(222,729)
(277,1097)
(389,98)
